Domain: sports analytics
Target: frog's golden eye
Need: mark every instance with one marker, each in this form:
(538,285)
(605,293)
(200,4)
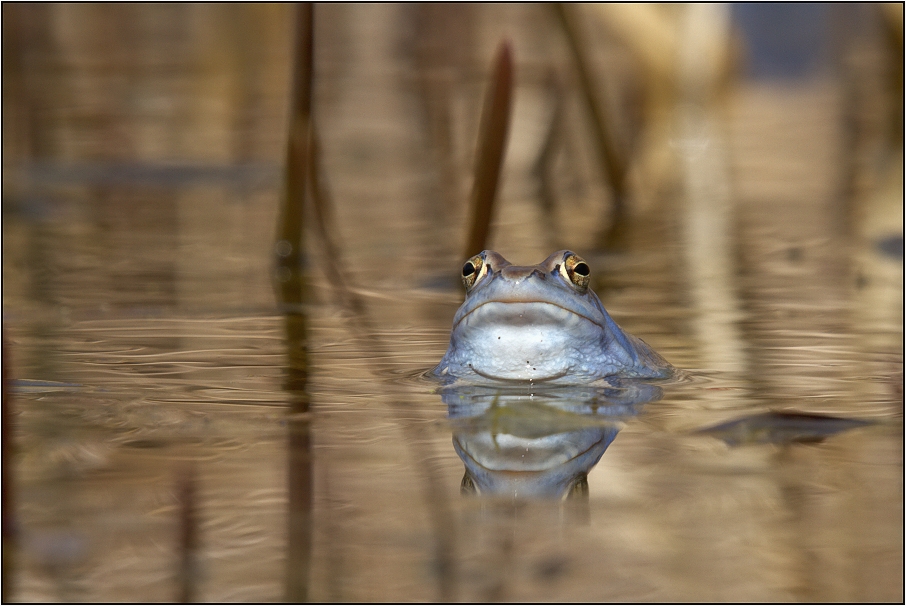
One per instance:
(472,271)
(576,271)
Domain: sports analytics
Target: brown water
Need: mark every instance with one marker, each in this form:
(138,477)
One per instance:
(141,331)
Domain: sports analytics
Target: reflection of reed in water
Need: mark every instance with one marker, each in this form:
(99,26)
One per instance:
(187,574)
(8,509)
(293,293)
(305,179)
(85,92)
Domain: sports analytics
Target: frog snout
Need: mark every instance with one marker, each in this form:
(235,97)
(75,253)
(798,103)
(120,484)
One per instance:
(515,273)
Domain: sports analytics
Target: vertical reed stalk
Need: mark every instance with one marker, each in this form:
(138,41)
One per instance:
(544,165)
(304,178)
(293,294)
(495,122)
(290,246)
(612,165)
(892,24)
(439,45)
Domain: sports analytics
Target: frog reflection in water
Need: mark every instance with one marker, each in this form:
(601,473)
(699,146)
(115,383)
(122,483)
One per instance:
(539,323)
(537,443)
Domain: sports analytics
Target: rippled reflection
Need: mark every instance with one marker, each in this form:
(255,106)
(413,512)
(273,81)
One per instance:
(524,442)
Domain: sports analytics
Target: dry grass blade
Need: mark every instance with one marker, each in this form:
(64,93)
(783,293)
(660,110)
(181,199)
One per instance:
(495,123)
(612,164)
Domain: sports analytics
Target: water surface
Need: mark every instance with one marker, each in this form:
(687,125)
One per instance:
(143,336)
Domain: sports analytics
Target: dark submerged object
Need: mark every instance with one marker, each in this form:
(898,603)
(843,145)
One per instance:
(781,427)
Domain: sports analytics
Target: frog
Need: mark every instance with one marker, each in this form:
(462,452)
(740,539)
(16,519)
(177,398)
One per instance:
(540,324)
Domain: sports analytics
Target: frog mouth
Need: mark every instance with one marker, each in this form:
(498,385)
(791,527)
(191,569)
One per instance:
(522,312)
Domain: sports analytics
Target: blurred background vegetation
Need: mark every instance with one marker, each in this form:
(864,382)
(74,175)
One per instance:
(732,173)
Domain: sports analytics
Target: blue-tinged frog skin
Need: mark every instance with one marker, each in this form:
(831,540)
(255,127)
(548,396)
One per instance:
(539,323)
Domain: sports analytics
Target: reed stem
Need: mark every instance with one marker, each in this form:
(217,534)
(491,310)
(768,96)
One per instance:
(293,294)
(290,245)
(612,165)
(492,136)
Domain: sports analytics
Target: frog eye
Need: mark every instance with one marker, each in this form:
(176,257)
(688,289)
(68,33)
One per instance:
(576,271)
(472,271)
